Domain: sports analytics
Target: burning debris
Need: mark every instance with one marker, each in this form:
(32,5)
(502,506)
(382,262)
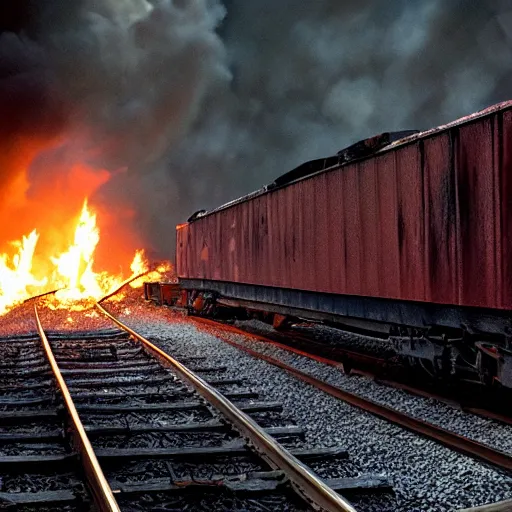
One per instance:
(73,279)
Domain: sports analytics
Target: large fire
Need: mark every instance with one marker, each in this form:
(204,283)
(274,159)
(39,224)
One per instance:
(71,272)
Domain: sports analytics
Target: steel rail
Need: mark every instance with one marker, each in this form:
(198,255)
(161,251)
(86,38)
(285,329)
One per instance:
(499,506)
(122,285)
(484,413)
(450,439)
(263,339)
(41,295)
(101,491)
(304,481)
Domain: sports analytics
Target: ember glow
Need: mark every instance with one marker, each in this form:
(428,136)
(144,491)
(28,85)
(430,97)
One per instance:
(72,271)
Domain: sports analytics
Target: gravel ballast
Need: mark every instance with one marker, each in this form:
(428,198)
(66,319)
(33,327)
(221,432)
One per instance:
(425,475)
(489,432)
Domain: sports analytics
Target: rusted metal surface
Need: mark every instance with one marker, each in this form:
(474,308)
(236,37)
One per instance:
(440,219)
(504,185)
(426,219)
(100,489)
(307,484)
(474,173)
(450,439)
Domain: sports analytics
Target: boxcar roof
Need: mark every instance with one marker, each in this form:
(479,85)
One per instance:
(505,105)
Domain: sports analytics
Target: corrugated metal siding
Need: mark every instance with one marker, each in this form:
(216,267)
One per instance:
(475,197)
(428,221)
(440,220)
(336,239)
(411,223)
(368,208)
(505,204)
(352,232)
(388,215)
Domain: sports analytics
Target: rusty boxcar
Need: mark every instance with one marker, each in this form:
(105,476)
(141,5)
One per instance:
(414,232)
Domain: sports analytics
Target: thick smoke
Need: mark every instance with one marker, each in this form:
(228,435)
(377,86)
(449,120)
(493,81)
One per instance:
(202,100)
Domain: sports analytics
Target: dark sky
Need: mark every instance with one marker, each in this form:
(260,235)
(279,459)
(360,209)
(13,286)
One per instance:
(204,100)
(14,15)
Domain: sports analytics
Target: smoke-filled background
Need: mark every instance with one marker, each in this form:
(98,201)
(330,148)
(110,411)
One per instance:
(164,107)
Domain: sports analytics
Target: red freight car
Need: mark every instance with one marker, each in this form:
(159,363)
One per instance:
(417,234)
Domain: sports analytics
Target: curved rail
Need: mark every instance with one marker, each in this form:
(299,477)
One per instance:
(306,483)
(450,439)
(41,295)
(484,413)
(101,491)
(122,285)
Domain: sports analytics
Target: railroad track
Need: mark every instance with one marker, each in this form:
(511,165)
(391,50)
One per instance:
(468,396)
(145,431)
(452,440)
(39,461)
(156,434)
(388,371)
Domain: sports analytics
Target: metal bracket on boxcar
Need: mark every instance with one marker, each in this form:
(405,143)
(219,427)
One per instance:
(371,145)
(201,303)
(196,215)
(304,170)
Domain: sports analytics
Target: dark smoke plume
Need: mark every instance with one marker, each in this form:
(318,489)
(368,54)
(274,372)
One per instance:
(203,100)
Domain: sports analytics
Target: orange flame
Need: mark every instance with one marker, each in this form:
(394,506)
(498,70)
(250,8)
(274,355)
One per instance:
(16,278)
(73,273)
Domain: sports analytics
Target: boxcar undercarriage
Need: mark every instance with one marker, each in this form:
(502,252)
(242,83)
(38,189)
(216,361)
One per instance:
(444,340)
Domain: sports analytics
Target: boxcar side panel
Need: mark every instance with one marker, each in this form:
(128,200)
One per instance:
(410,223)
(368,207)
(440,220)
(352,230)
(389,255)
(336,236)
(322,219)
(310,269)
(475,201)
(427,221)
(505,186)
